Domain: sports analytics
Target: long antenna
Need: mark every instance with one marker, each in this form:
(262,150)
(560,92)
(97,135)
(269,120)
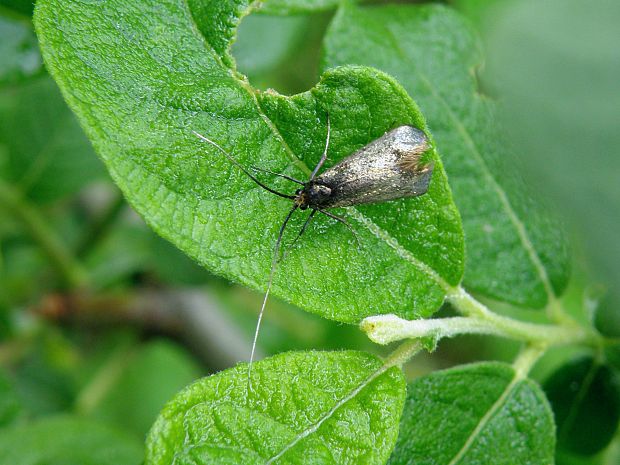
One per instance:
(256,168)
(324,156)
(242,168)
(274,263)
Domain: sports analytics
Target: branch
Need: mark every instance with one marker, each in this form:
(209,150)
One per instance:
(189,314)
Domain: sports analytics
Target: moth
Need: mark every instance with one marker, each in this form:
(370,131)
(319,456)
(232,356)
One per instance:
(388,168)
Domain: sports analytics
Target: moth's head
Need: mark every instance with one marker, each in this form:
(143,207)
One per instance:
(312,195)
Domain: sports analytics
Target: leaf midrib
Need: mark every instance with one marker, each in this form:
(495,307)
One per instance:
(316,425)
(486,418)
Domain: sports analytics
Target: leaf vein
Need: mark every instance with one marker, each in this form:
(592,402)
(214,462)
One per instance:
(473,148)
(486,419)
(314,427)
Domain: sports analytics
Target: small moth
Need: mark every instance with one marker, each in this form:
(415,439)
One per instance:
(388,168)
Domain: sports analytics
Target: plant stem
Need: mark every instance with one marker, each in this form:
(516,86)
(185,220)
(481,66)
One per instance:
(384,329)
(527,359)
(565,331)
(69,269)
(403,353)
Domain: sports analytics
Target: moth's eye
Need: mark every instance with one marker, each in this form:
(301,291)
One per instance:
(298,191)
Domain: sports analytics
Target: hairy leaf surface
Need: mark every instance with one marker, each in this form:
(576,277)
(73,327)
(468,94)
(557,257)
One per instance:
(141,76)
(481,413)
(339,408)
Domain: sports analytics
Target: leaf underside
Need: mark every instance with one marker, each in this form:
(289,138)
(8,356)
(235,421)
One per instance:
(335,408)
(516,252)
(141,76)
(481,413)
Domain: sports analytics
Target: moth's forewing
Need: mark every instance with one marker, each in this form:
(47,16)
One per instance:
(386,169)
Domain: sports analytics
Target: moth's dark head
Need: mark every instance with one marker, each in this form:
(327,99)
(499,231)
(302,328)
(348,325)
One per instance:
(312,195)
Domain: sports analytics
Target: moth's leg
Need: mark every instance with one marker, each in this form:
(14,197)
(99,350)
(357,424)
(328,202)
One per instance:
(324,156)
(346,223)
(301,231)
(256,168)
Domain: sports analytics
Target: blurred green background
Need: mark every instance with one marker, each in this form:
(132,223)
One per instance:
(102,321)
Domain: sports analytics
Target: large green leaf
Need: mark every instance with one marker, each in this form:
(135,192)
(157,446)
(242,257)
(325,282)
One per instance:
(476,414)
(515,252)
(67,441)
(141,76)
(309,407)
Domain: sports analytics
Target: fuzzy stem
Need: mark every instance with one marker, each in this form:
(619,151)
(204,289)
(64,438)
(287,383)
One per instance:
(478,319)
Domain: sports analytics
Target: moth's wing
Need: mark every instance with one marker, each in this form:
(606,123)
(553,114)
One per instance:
(386,169)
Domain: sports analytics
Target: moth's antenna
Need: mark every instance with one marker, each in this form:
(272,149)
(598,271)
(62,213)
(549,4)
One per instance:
(274,263)
(242,168)
(324,156)
(256,168)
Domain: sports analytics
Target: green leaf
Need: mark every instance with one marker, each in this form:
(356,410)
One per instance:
(289,7)
(335,407)
(515,252)
(10,406)
(152,376)
(476,414)
(19,54)
(67,441)
(48,156)
(585,396)
(139,99)
(562,92)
